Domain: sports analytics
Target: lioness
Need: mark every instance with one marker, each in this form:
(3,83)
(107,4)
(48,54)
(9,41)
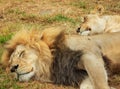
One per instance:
(96,24)
(52,56)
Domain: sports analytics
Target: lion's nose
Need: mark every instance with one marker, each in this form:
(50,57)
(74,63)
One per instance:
(78,30)
(13,69)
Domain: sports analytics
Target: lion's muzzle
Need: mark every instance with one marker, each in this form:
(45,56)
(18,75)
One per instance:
(78,30)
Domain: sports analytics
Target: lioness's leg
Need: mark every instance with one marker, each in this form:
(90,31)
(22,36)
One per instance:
(86,84)
(94,66)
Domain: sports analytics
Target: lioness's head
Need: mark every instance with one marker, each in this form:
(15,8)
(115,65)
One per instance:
(91,24)
(29,56)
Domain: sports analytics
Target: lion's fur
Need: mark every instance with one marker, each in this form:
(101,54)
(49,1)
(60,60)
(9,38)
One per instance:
(58,53)
(96,24)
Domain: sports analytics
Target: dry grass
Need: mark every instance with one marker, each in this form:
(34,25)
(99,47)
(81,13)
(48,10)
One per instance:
(38,14)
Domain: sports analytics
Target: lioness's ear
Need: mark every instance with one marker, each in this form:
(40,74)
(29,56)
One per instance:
(84,19)
(99,9)
(51,35)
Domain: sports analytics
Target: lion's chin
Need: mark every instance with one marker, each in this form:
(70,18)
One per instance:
(85,33)
(25,77)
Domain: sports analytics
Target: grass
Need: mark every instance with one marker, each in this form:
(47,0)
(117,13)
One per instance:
(60,18)
(118,5)
(3,39)
(15,11)
(29,17)
(80,4)
(6,82)
(83,5)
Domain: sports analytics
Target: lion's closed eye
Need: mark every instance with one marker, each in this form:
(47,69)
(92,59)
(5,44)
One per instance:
(22,53)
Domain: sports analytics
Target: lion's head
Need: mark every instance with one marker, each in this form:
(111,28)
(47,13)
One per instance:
(92,24)
(23,61)
(29,56)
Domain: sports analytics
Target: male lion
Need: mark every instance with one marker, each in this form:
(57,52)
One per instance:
(52,56)
(96,24)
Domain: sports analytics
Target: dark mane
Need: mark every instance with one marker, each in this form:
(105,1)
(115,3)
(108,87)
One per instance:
(64,68)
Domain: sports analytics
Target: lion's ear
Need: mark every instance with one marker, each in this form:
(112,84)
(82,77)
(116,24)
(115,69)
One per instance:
(6,55)
(52,35)
(99,9)
(84,18)
(5,58)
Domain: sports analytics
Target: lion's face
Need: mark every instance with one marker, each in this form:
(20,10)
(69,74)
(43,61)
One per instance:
(92,24)
(23,61)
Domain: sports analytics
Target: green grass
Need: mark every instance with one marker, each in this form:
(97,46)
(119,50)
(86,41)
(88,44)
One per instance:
(3,39)
(80,4)
(29,17)
(19,14)
(86,8)
(22,15)
(46,19)
(6,82)
(60,18)
(15,11)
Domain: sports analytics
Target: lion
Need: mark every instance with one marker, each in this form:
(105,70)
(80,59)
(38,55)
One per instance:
(96,23)
(52,56)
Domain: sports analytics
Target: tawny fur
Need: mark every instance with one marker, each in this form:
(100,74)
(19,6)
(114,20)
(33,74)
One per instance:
(98,24)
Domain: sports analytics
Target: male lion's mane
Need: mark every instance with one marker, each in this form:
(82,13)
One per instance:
(64,68)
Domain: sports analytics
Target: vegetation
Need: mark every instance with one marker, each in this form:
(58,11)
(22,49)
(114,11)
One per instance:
(3,39)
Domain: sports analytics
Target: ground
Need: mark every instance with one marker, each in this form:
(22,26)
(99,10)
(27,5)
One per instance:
(39,14)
